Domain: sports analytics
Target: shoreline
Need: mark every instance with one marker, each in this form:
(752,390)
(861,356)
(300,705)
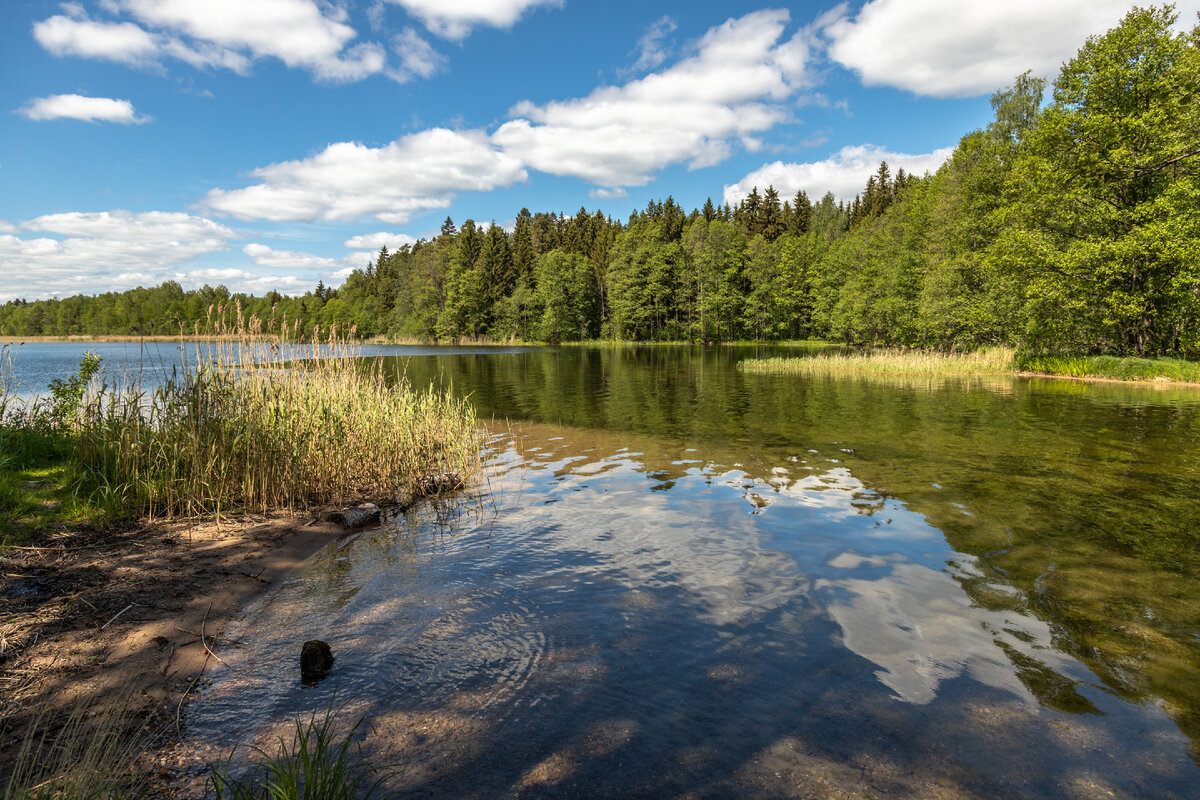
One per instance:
(134,618)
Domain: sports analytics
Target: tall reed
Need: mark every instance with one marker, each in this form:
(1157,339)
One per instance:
(257,422)
(916,363)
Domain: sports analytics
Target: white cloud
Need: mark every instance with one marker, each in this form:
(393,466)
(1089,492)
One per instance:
(960,48)
(652,46)
(348,180)
(264,256)
(101,251)
(227,34)
(608,194)
(88,109)
(454,19)
(239,280)
(845,173)
(374,241)
(73,34)
(417,56)
(694,112)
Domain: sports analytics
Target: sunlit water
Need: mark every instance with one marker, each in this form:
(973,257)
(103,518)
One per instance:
(683,580)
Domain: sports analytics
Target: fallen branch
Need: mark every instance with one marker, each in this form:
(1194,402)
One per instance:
(119,613)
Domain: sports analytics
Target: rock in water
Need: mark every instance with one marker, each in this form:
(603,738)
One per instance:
(316,659)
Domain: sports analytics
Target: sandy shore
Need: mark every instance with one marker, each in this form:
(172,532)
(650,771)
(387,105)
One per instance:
(131,617)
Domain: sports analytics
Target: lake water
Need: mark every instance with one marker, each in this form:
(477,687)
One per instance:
(683,580)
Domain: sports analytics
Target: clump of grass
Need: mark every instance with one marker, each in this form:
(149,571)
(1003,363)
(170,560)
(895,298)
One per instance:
(319,763)
(889,362)
(92,756)
(1112,367)
(272,425)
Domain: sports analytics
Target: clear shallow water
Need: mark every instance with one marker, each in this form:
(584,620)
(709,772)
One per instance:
(690,581)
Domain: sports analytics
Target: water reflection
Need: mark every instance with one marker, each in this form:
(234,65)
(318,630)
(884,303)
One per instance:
(631,615)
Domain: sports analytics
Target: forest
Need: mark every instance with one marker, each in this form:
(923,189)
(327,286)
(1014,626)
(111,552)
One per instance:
(1070,223)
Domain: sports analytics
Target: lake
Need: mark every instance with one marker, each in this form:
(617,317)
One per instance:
(682,580)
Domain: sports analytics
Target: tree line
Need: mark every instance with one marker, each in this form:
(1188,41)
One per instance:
(1068,223)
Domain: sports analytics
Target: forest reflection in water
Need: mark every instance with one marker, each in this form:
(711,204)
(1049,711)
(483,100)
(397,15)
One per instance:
(718,584)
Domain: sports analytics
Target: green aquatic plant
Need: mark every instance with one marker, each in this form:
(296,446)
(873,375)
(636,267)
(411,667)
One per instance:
(322,761)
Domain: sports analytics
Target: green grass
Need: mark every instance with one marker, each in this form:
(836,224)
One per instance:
(897,363)
(1110,367)
(321,762)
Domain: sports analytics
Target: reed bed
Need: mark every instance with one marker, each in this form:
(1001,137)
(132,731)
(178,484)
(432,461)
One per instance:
(251,425)
(889,362)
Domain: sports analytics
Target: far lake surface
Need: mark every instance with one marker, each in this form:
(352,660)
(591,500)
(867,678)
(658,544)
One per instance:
(683,580)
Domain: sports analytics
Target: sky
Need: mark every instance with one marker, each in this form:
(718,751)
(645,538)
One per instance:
(272,144)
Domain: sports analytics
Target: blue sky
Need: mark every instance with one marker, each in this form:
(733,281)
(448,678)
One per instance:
(271,144)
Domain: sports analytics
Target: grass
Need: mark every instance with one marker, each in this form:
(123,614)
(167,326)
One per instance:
(92,756)
(987,361)
(272,426)
(1110,367)
(259,424)
(95,756)
(900,363)
(319,763)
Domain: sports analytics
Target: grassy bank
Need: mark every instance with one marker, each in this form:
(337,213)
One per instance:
(255,427)
(1109,367)
(988,361)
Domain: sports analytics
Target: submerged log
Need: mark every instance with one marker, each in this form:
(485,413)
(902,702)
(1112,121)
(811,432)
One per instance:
(356,517)
(438,484)
(316,659)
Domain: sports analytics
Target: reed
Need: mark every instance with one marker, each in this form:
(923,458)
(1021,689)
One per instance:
(250,424)
(908,363)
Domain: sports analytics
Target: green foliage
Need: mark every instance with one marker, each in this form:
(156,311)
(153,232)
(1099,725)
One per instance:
(1104,197)
(1127,368)
(321,762)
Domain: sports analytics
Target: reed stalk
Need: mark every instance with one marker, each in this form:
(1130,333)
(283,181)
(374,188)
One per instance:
(257,423)
(911,363)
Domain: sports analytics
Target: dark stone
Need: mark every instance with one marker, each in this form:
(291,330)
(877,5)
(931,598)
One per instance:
(316,659)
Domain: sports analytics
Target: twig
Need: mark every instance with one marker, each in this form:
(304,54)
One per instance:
(208,649)
(119,613)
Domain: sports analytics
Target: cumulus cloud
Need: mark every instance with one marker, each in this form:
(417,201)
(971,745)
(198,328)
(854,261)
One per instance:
(417,56)
(734,87)
(227,34)
(374,241)
(103,250)
(77,106)
(961,48)
(454,19)
(844,173)
(348,180)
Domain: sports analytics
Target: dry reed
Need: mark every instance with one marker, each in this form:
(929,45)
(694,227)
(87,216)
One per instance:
(247,424)
(913,363)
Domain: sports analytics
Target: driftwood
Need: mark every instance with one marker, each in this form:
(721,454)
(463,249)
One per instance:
(433,485)
(356,517)
(438,484)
